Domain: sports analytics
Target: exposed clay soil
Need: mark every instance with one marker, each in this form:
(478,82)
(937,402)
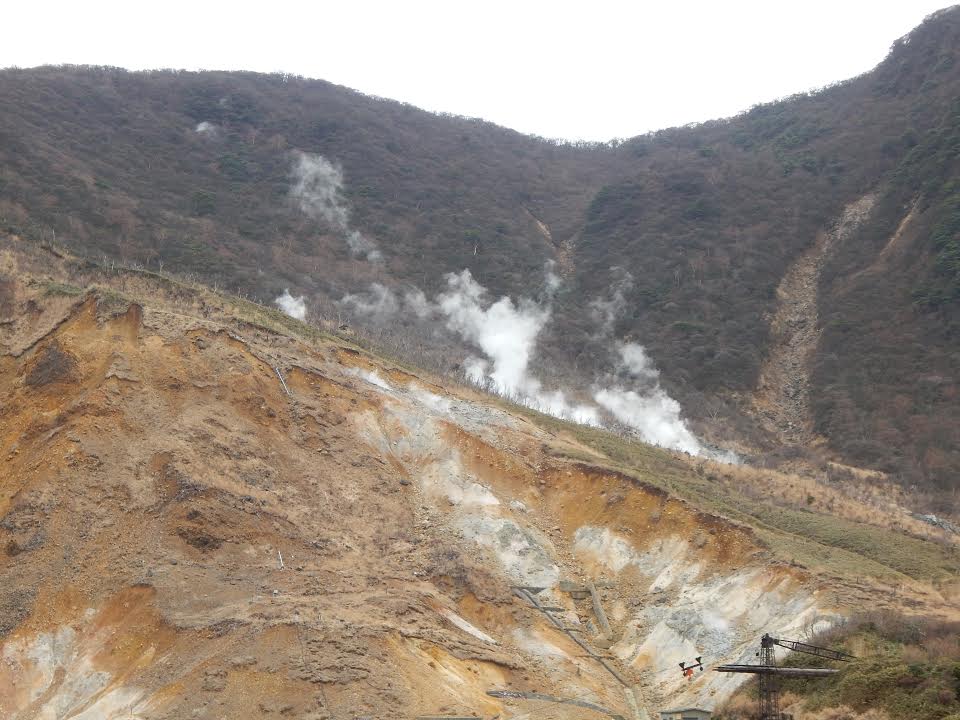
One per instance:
(185,537)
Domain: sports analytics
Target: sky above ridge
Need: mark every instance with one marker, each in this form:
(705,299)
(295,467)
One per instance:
(579,71)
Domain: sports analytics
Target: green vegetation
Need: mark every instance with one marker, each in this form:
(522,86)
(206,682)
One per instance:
(55,288)
(798,535)
(803,537)
(906,667)
(946,242)
(887,373)
(111,301)
(705,220)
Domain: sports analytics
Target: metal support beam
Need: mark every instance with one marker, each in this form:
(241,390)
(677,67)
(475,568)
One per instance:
(598,610)
(784,671)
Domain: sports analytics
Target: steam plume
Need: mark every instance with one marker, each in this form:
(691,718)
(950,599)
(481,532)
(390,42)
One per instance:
(318,190)
(362,246)
(504,332)
(605,312)
(379,301)
(635,362)
(295,307)
(317,187)
(416,301)
(552,281)
(647,408)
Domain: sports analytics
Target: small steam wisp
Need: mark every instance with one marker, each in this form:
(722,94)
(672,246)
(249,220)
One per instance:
(205,128)
(318,189)
(295,307)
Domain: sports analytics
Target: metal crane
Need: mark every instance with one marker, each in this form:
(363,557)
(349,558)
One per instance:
(770,673)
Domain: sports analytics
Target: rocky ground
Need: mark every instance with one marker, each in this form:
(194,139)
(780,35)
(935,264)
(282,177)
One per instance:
(203,516)
(782,399)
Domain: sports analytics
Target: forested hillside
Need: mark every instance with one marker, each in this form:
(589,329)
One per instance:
(677,240)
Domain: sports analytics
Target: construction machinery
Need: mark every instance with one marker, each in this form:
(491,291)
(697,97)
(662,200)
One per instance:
(769,673)
(687,668)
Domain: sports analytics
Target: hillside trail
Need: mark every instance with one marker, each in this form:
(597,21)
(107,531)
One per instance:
(782,397)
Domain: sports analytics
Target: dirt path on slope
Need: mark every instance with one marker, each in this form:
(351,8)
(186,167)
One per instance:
(564,248)
(782,398)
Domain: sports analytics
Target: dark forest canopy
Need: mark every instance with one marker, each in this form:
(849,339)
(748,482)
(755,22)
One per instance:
(192,171)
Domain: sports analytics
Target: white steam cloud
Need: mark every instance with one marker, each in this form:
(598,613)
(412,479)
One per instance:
(318,190)
(635,361)
(381,303)
(416,301)
(552,281)
(505,334)
(370,376)
(647,409)
(605,312)
(295,307)
(206,128)
(362,246)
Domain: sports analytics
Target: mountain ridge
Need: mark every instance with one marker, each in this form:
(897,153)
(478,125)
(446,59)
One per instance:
(705,221)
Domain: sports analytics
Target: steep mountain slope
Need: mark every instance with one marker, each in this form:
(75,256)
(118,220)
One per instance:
(889,364)
(711,229)
(677,240)
(120,167)
(208,509)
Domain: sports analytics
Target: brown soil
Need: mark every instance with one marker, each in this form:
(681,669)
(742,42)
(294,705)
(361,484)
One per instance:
(782,398)
(184,538)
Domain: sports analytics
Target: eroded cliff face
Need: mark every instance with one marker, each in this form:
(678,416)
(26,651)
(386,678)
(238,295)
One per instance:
(202,517)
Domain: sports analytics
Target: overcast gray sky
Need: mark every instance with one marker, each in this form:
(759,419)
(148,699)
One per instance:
(594,69)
